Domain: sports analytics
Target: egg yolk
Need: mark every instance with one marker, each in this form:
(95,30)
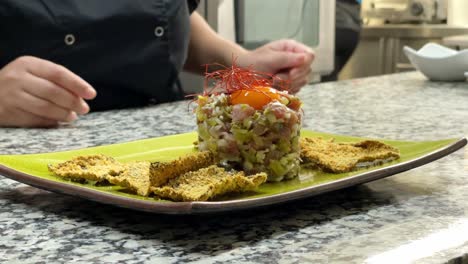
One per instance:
(256,98)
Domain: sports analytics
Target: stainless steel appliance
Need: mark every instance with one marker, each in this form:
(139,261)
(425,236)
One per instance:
(406,11)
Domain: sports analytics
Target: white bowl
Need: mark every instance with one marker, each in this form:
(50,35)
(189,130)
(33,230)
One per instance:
(439,63)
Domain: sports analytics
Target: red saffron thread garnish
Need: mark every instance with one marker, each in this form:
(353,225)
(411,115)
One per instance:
(230,79)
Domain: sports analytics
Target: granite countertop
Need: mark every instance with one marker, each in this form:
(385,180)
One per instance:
(419,216)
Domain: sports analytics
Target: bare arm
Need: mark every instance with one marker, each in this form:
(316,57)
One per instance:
(206,46)
(286,58)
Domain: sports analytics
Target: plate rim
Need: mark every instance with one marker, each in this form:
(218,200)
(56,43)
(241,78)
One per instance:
(199,207)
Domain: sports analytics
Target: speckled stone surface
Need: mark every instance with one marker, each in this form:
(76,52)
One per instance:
(420,216)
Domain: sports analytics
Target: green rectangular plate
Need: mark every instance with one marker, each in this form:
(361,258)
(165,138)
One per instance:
(32,169)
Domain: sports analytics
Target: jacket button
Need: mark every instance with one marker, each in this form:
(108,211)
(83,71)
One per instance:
(159,31)
(70,39)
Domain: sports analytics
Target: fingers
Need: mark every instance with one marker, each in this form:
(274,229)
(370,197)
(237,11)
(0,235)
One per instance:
(19,118)
(59,75)
(298,73)
(284,60)
(283,76)
(299,47)
(39,93)
(52,93)
(45,109)
(298,77)
(290,54)
(298,84)
(310,57)
(290,45)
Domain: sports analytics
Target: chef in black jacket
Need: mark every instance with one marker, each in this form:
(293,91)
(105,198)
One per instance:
(62,58)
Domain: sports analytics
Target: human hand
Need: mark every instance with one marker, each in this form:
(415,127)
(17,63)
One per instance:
(39,93)
(287,58)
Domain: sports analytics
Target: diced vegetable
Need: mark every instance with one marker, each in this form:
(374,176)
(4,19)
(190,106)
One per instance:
(256,140)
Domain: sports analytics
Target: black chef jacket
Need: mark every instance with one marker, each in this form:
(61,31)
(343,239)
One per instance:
(130,51)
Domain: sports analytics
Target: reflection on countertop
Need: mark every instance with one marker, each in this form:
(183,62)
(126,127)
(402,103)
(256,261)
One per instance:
(419,216)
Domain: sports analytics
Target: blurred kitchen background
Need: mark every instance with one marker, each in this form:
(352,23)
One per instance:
(387,26)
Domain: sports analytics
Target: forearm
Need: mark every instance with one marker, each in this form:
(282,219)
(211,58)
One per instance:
(206,46)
